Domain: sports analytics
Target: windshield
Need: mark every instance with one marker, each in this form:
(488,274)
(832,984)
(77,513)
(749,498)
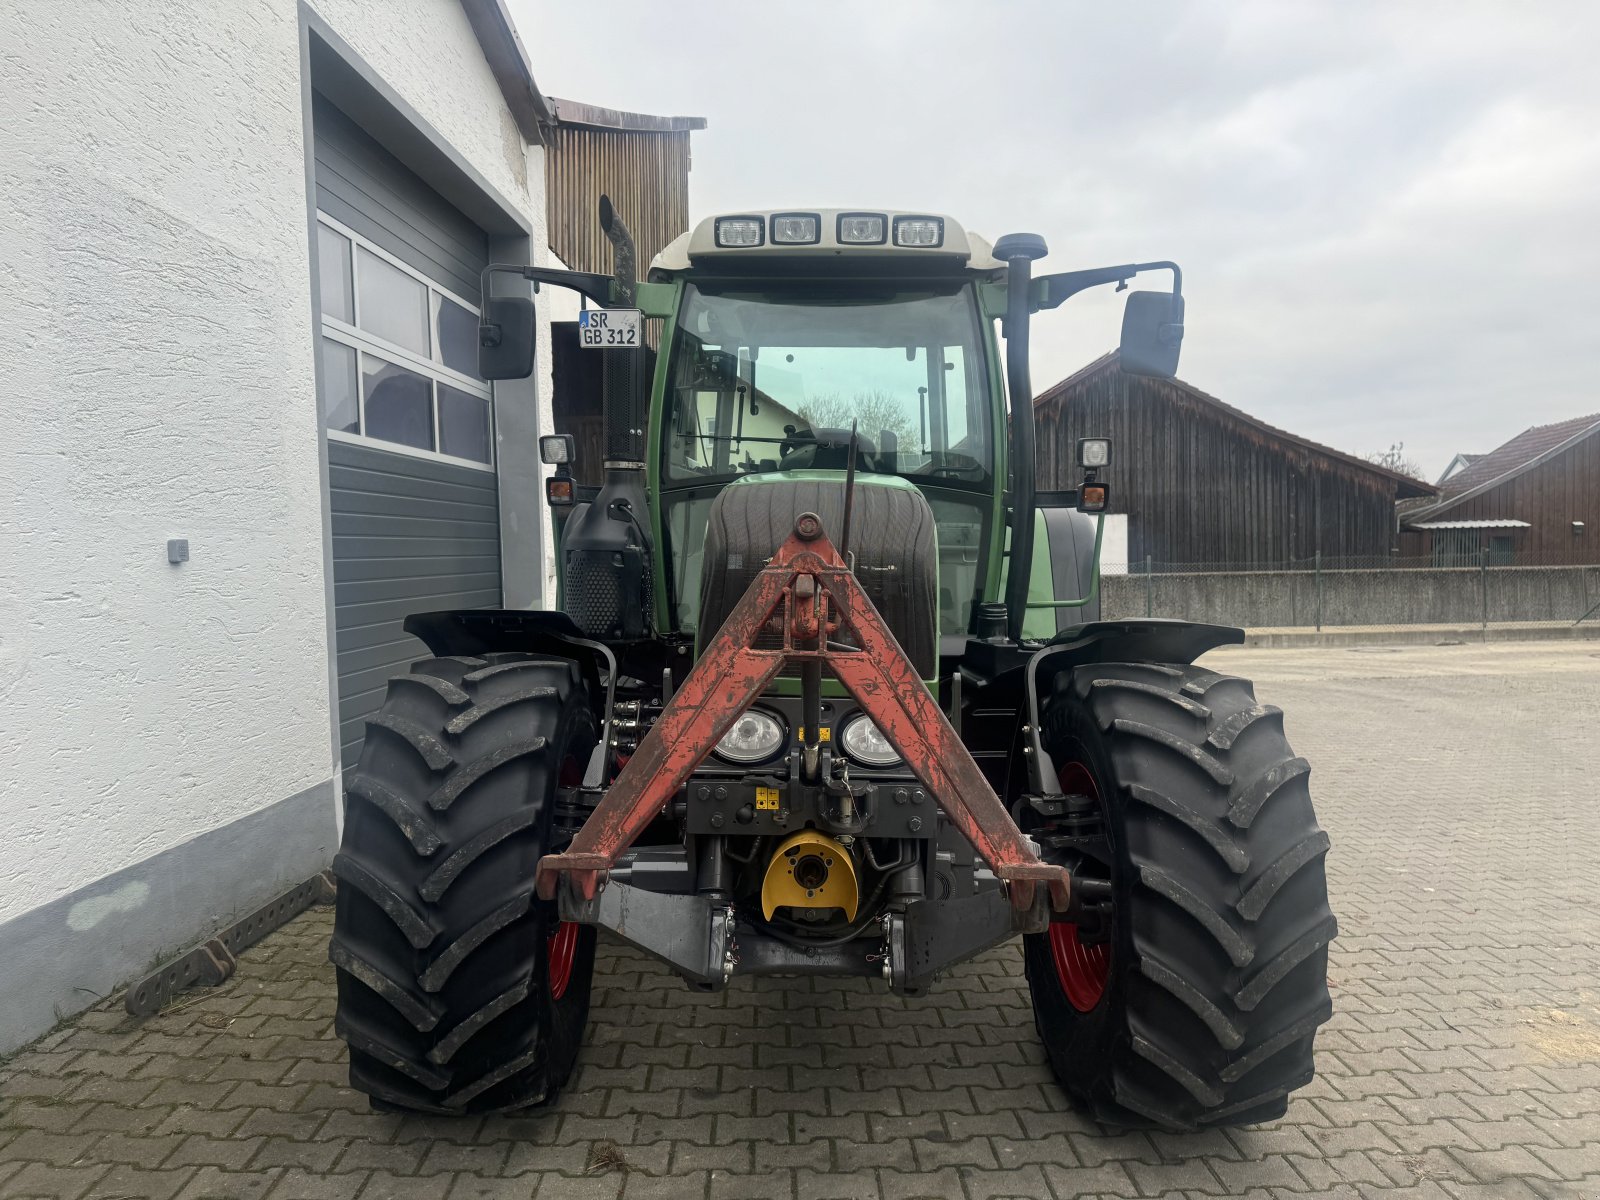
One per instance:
(765,381)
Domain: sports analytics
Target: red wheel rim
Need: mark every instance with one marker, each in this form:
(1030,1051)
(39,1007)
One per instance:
(564,941)
(563,952)
(1081,970)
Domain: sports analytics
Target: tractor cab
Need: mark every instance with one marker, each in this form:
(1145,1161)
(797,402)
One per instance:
(798,341)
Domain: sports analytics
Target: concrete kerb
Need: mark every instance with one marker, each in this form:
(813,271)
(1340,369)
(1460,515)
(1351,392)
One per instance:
(1422,635)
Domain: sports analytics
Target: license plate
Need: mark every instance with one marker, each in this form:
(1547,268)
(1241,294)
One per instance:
(608,328)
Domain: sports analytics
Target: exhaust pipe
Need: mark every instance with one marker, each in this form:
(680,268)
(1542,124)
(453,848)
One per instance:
(624,397)
(624,256)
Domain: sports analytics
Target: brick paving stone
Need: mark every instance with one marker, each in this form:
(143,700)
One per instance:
(1463,1062)
(296,1184)
(475,1187)
(134,1183)
(44,1180)
(212,1183)
(731,1185)
(381,1185)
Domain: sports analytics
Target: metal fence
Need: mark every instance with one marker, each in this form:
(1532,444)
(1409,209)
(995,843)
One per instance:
(1390,592)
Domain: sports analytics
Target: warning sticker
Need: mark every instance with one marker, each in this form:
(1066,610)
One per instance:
(767,799)
(824,734)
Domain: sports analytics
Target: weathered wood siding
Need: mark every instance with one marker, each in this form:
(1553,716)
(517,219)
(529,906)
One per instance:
(1200,485)
(646,174)
(1550,497)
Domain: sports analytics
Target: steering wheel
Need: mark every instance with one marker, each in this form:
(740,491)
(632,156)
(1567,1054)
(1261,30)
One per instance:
(828,449)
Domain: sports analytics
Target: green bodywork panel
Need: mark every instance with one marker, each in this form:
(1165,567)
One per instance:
(1040,623)
(656,299)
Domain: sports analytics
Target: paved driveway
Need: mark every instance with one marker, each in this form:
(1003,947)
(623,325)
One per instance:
(1462,789)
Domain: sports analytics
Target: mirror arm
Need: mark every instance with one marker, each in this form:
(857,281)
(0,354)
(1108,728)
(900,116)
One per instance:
(1050,291)
(587,283)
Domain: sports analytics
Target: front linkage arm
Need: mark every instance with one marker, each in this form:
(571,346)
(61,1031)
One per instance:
(805,579)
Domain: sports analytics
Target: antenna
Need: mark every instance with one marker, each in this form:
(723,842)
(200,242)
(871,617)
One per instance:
(849,493)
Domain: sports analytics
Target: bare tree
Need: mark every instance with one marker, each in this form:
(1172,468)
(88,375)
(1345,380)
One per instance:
(1395,458)
(874,412)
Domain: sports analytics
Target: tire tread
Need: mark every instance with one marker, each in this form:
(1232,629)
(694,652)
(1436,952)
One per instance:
(439,943)
(1221,986)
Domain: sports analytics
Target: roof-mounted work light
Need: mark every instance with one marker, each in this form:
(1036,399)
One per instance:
(740,232)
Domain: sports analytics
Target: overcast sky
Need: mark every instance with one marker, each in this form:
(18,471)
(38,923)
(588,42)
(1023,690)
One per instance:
(1386,212)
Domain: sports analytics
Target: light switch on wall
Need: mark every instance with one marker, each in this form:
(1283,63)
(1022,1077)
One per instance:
(178,550)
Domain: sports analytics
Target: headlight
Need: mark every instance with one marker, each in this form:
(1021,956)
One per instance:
(755,736)
(864,742)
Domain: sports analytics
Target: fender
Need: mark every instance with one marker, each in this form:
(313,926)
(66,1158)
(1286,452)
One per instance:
(478,631)
(1010,681)
(1145,640)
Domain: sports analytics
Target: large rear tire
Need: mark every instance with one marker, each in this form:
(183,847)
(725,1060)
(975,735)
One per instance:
(459,990)
(1195,1001)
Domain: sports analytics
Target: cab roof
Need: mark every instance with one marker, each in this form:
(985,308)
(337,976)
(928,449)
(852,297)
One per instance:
(957,247)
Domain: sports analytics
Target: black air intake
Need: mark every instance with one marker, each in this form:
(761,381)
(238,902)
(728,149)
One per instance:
(607,588)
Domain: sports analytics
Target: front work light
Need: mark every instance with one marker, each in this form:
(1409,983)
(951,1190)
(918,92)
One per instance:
(926,232)
(755,737)
(864,742)
(1094,452)
(739,231)
(795,229)
(555,449)
(861,229)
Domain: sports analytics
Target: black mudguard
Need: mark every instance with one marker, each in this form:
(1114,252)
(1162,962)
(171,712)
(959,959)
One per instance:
(479,631)
(1144,640)
(1001,714)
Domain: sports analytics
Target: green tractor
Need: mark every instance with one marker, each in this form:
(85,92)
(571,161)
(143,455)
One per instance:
(828,693)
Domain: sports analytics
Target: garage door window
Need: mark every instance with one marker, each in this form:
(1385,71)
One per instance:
(399,355)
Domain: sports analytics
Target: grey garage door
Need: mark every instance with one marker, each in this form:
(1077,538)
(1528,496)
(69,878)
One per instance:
(412,489)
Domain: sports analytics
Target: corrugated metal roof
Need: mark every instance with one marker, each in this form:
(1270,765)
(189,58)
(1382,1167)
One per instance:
(1473,524)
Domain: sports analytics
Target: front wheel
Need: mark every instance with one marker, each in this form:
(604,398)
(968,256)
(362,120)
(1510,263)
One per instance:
(1191,992)
(459,990)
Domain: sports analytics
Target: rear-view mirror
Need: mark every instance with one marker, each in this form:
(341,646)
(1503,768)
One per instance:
(1152,334)
(505,338)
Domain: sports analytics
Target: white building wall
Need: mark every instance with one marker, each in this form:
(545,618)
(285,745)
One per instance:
(164,390)
(158,366)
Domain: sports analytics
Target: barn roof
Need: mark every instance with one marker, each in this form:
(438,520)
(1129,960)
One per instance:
(1404,485)
(534,112)
(1522,453)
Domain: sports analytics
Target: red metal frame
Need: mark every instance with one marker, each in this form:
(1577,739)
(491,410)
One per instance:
(814,589)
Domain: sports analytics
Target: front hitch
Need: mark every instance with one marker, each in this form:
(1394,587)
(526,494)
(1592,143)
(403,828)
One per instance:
(807,587)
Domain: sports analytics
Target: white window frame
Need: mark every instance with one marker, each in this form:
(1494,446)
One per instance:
(365,343)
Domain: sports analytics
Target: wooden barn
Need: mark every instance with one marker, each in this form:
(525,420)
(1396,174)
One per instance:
(1534,501)
(1202,482)
(642,163)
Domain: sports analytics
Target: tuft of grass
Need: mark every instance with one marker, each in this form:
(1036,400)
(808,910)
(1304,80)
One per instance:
(605,1156)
